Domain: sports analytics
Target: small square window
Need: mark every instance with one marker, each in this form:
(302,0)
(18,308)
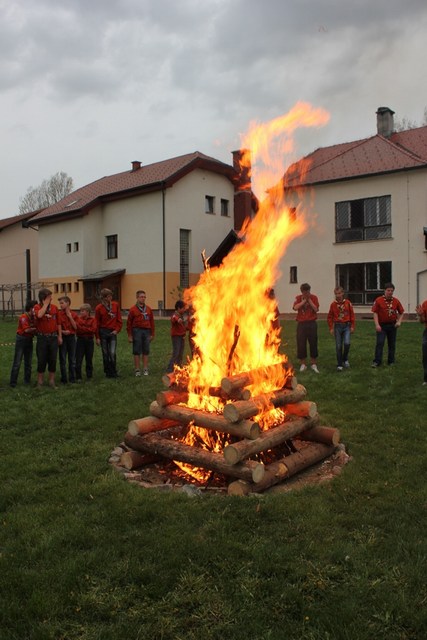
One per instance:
(76,287)
(55,288)
(209,204)
(76,246)
(68,247)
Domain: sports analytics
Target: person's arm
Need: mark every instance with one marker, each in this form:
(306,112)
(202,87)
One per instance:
(71,318)
(129,323)
(352,317)
(377,324)
(330,319)
(46,302)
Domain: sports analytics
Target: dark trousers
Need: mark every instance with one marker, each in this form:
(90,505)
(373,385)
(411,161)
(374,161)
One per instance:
(424,347)
(307,333)
(178,344)
(47,352)
(388,331)
(23,349)
(342,331)
(84,350)
(108,348)
(68,350)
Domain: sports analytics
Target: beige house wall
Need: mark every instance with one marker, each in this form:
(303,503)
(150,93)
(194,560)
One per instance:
(138,223)
(14,241)
(315,254)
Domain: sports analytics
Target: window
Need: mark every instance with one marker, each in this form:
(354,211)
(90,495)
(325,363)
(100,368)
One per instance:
(55,288)
(184,258)
(76,246)
(224,208)
(363,281)
(365,219)
(68,247)
(76,287)
(112,247)
(209,204)
(293,275)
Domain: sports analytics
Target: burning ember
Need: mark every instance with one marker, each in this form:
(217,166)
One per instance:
(238,399)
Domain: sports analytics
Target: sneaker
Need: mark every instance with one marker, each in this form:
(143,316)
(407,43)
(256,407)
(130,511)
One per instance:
(424,384)
(347,364)
(137,373)
(303,367)
(145,372)
(314,368)
(339,368)
(375,364)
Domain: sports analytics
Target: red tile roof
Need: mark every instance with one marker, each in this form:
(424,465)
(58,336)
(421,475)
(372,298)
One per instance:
(376,155)
(152,177)
(22,217)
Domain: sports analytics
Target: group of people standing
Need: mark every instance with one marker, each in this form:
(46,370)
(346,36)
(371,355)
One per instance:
(387,313)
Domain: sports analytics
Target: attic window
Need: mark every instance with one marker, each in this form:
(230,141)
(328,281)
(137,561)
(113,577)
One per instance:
(209,204)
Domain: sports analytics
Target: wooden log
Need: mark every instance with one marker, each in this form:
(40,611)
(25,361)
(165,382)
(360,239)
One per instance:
(237,451)
(239,410)
(213,421)
(134,459)
(325,435)
(283,469)
(171,397)
(148,424)
(304,408)
(175,450)
(169,380)
(281,370)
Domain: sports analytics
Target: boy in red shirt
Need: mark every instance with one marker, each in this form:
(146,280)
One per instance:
(341,321)
(306,305)
(46,319)
(388,313)
(178,331)
(421,310)
(85,332)
(67,321)
(24,344)
(108,324)
(140,330)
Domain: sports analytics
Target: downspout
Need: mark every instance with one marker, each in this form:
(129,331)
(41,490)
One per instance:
(164,245)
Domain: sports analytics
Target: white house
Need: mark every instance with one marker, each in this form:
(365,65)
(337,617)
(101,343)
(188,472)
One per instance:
(366,203)
(141,229)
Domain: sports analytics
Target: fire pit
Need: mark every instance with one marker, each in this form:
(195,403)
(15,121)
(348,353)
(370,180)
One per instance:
(236,411)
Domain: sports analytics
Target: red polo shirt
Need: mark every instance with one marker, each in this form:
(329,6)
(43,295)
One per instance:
(49,322)
(341,312)
(387,310)
(26,322)
(140,318)
(306,313)
(108,317)
(65,322)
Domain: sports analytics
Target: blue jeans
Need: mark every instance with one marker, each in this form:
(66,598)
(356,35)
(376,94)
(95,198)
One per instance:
(84,350)
(178,344)
(342,331)
(68,350)
(23,349)
(424,346)
(388,331)
(108,348)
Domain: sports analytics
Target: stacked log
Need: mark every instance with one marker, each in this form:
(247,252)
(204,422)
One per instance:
(160,435)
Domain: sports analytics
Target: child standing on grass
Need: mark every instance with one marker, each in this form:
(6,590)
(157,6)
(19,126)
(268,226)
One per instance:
(86,331)
(178,331)
(67,321)
(140,330)
(24,344)
(341,322)
(306,305)
(108,324)
(46,319)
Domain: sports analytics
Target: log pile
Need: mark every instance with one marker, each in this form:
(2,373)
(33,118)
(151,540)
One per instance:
(251,459)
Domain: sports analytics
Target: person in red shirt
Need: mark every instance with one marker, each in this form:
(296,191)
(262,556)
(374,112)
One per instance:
(388,313)
(24,344)
(140,330)
(85,332)
(67,325)
(306,305)
(48,340)
(178,331)
(108,324)
(421,310)
(341,322)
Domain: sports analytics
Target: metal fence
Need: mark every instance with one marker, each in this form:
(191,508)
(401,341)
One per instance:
(14,296)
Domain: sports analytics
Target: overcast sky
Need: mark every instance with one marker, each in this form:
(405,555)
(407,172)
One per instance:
(87,86)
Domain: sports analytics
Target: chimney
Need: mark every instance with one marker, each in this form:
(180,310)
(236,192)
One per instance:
(136,164)
(242,192)
(385,122)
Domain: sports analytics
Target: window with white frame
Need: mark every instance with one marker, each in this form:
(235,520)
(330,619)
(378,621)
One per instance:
(363,219)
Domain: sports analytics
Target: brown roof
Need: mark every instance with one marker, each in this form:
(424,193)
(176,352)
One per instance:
(376,155)
(22,217)
(152,177)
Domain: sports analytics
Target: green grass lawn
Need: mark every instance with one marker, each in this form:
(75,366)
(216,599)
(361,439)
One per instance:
(85,555)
